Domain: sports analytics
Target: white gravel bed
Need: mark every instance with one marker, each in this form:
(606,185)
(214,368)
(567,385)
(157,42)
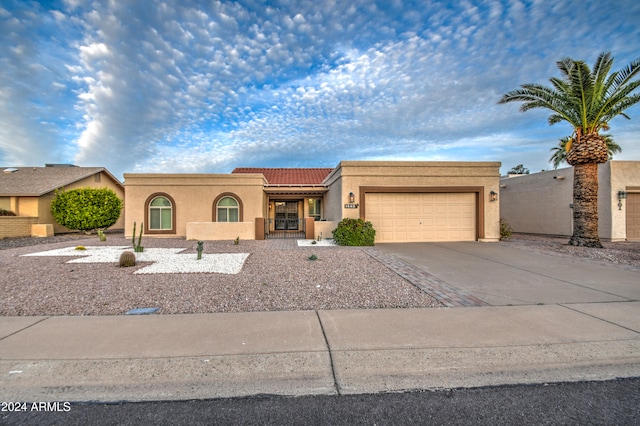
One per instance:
(163,260)
(269,280)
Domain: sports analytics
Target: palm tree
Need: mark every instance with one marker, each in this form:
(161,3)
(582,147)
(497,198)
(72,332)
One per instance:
(587,99)
(560,151)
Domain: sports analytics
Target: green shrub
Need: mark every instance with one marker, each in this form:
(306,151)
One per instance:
(354,232)
(4,212)
(313,257)
(85,209)
(505,229)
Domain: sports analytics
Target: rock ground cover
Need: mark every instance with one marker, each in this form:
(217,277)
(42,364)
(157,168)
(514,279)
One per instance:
(270,280)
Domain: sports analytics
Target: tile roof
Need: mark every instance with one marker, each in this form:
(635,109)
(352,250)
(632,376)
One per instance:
(36,181)
(288,176)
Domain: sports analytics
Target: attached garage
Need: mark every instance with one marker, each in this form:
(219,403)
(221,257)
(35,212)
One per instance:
(633,216)
(423,216)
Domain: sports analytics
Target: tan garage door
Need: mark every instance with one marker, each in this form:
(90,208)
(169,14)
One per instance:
(633,216)
(399,217)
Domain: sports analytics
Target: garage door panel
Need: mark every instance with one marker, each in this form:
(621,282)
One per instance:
(404,217)
(633,216)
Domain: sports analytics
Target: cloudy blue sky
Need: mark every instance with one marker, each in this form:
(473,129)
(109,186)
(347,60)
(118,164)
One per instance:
(183,86)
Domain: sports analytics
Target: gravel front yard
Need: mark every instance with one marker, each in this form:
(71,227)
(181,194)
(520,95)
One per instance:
(270,280)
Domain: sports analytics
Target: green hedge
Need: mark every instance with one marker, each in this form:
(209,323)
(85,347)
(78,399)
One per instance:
(86,209)
(354,232)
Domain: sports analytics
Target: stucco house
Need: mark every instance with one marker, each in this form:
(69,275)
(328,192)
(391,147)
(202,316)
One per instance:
(541,203)
(405,201)
(28,191)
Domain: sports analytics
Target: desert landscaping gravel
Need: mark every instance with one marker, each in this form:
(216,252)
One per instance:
(270,280)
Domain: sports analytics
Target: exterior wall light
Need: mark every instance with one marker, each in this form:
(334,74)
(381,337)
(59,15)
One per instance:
(352,202)
(493,196)
(622,195)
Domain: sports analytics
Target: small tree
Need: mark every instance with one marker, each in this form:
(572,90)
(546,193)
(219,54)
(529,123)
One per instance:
(86,209)
(519,170)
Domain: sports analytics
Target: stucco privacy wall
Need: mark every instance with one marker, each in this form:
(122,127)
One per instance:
(16,226)
(540,203)
(194,196)
(360,177)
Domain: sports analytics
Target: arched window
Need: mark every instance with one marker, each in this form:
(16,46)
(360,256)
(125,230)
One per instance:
(228,210)
(160,214)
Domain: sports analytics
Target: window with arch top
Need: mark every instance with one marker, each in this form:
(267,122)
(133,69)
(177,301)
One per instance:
(228,209)
(160,214)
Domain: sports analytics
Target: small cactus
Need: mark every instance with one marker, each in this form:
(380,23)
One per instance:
(236,241)
(127,258)
(313,257)
(199,249)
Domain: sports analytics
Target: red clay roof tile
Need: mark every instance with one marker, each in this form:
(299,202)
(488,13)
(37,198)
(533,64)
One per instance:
(287,176)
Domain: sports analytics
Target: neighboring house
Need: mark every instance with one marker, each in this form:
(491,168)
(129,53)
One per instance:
(405,201)
(541,203)
(28,191)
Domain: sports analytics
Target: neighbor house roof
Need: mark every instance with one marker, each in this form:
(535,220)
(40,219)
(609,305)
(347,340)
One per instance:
(37,181)
(285,176)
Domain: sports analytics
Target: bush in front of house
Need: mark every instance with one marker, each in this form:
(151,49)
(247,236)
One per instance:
(4,212)
(86,209)
(505,229)
(354,232)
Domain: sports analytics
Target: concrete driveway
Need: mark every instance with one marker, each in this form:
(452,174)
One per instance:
(510,274)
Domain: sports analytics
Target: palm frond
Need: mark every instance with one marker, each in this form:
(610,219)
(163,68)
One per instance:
(588,99)
(625,75)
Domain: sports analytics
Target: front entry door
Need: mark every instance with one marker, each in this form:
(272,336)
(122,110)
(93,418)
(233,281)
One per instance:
(286,215)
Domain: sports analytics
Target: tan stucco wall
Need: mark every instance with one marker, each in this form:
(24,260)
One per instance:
(625,176)
(16,226)
(325,228)
(5,203)
(540,204)
(350,176)
(220,231)
(194,195)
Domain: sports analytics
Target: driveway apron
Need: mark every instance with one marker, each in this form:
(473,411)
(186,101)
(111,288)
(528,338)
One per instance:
(508,274)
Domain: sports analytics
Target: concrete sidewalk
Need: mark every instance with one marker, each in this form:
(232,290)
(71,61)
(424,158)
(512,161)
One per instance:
(168,357)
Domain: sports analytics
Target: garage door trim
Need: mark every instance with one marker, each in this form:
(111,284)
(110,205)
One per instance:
(477,190)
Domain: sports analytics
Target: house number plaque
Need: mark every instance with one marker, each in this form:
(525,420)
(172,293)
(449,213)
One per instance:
(351,206)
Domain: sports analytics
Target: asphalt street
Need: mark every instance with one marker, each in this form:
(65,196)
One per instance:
(614,402)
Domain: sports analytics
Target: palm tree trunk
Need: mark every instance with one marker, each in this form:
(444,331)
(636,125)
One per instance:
(585,206)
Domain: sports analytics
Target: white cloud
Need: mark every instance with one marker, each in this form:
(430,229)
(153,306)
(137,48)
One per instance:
(184,86)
